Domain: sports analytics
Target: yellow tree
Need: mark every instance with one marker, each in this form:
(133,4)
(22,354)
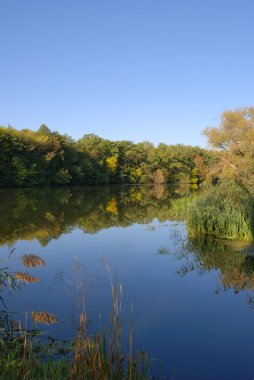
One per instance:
(233,141)
(111,163)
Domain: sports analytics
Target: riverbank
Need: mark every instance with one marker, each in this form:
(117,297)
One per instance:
(225,210)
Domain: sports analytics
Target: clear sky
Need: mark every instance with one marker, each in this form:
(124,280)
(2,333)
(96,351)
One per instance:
(156,70)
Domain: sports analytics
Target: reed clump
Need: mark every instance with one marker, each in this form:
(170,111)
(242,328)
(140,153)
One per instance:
(99,356)
(92,356)
(180,207)
(225,211)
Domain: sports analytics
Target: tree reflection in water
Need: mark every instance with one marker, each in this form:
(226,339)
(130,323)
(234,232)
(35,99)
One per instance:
(234,262)
(46,214)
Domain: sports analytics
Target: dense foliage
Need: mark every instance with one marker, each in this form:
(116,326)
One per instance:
(45,158)
(233,142)
(227,209)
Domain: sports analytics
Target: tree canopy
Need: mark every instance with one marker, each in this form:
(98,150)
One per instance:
(233,141)
(45,158)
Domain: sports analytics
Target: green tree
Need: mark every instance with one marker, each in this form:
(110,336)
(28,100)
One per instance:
(44,130)
(63,177)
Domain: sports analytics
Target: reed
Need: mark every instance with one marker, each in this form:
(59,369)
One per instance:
(225,211)
(180,207)
(97,357)
(93,356)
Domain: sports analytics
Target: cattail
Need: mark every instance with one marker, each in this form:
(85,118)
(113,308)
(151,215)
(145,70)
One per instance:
(31,261)
(43,317)
(25,277)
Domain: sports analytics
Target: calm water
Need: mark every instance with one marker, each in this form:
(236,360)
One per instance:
(193,306)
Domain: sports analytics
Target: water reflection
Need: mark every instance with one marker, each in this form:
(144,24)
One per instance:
(177,316)
(204,254)
(46,214)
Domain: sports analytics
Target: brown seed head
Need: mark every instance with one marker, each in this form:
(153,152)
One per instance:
(44,317)
(31,261)
(25,277)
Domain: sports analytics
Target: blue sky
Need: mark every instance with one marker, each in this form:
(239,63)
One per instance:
(136,69)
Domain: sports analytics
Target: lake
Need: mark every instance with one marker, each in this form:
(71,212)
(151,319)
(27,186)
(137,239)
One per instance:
(193,305)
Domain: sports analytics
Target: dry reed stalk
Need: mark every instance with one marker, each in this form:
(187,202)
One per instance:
(15,325)
(25,337)
(131,340)
(81,347)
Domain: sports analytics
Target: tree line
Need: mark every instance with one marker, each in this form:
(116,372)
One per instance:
(45,158)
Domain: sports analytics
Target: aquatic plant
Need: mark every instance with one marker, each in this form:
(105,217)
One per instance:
(7,281)
(180,207)
(25,353)
(225,210)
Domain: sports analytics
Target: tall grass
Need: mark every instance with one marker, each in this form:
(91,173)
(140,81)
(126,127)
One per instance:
(225,210)
(97,357)
(180,207)
(91,356)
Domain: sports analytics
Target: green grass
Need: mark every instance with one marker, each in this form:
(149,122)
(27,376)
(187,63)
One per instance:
(225,211)
(12,366)
(88,359)
(180,207)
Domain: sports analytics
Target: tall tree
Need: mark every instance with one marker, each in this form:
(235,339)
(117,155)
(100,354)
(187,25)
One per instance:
(233,141)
